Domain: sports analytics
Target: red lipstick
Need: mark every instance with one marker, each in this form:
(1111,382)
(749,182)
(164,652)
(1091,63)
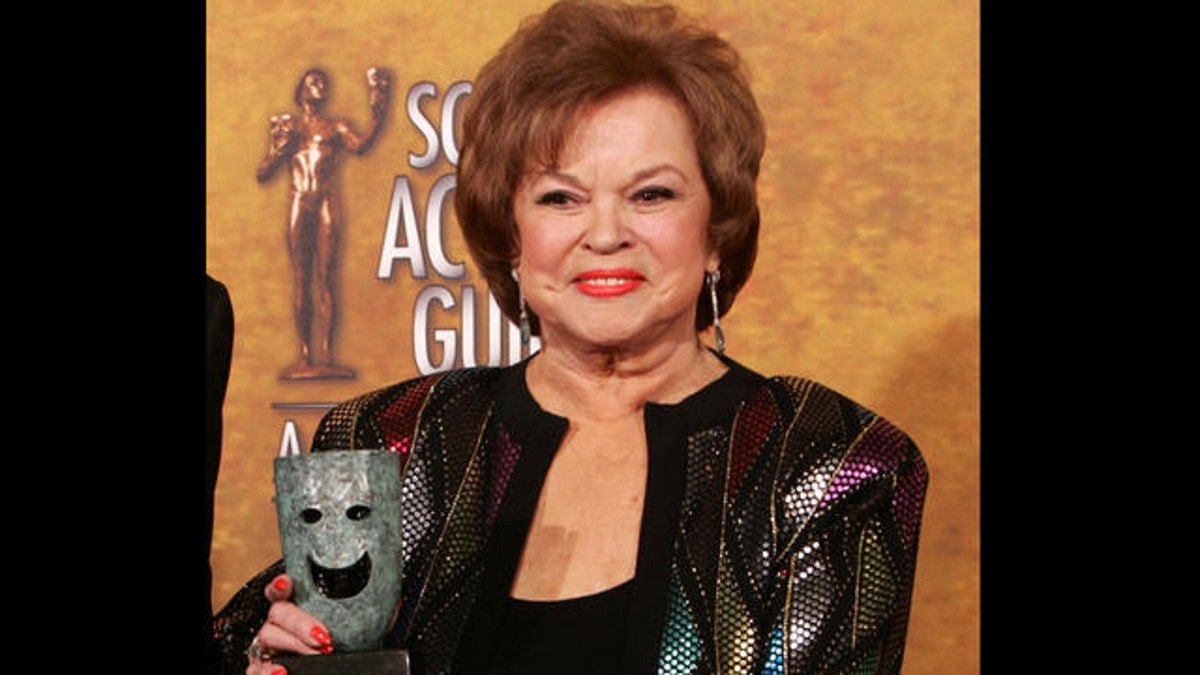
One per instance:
(608,283)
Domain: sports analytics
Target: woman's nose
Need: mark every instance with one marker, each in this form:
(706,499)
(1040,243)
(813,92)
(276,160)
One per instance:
(606,228)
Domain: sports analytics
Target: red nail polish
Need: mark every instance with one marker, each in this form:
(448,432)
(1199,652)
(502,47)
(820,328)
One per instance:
(280,585)
(326,649)
(279,671)
(321,636)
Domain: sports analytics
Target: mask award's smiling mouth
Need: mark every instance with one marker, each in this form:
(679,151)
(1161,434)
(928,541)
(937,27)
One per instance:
(343,582)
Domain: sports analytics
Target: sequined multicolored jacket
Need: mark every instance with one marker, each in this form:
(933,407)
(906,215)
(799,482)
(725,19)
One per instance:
(779,535)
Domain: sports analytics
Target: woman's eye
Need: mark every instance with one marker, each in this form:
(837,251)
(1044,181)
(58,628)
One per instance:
(653,194)
(555,198)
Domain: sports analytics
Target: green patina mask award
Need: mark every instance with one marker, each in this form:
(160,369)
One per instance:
(339,526)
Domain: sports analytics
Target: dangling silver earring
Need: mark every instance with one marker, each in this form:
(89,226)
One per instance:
(524,318)
(713,278)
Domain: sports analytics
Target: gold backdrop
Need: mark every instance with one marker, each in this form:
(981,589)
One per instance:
(867,278)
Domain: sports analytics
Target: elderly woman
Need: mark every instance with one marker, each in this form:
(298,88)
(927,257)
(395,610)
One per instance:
(628,499)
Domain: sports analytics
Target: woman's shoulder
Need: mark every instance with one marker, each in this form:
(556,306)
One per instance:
(792,393)
(444,383)
(395,409)
(847,443)
(824,414)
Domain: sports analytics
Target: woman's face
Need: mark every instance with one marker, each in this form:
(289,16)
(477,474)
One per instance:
(614,241)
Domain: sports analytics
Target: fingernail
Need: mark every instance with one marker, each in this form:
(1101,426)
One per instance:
(280,585)
(279,671)
(326,649)
(321,636)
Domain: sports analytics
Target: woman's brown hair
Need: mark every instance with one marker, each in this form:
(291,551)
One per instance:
(579,53)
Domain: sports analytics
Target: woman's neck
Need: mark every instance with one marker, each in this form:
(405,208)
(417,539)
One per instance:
(601,385)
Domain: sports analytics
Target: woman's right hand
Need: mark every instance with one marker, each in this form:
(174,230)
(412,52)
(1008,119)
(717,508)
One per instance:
(288,629)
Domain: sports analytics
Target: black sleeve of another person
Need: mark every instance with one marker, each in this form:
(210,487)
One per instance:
(218,356)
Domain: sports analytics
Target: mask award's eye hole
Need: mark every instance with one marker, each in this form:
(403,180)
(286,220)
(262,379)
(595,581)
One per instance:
(310,515)
(358,512)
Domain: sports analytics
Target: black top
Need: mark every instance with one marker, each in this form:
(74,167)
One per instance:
(539,433)
(583,635)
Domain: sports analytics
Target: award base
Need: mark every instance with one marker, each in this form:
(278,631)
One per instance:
(380,662)
(306,371)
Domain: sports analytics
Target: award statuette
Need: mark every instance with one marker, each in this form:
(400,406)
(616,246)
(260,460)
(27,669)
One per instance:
(310,146)
(339,526)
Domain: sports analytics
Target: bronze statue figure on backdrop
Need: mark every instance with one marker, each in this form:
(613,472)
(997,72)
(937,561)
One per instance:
(312,145)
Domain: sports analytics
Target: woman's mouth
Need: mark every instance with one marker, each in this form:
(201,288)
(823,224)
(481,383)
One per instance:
(608,283)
